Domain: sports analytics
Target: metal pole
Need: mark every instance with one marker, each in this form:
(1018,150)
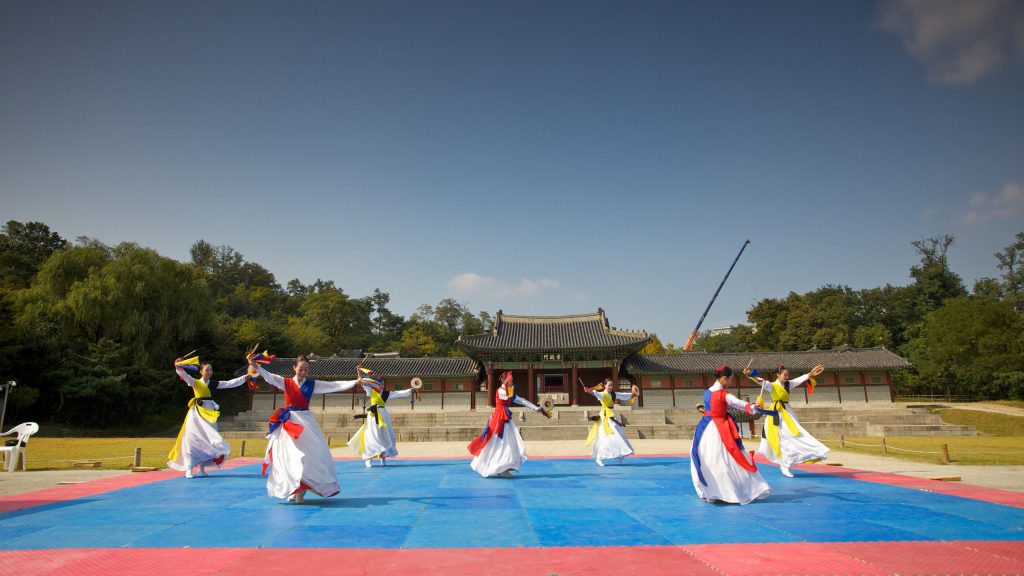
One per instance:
(3,411)
(693,335)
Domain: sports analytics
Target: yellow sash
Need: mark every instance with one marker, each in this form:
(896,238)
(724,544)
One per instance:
(378,401)
(607,413)
(780,397)
(201,392)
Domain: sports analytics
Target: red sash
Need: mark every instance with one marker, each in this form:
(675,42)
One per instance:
(727,430)
(496,425)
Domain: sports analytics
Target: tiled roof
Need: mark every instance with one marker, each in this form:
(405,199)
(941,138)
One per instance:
(553,333)
(838,359)
(333,368)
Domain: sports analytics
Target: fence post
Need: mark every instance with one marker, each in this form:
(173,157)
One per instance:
(945,454)
(243,448)
(885,450)
(138,457)
(328,441)
(842,441)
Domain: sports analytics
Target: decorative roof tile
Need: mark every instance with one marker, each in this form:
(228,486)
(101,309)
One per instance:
(837,359)
(553,333)
(334,368)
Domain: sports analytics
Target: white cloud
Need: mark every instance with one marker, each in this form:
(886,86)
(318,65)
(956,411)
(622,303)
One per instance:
(958,41)
(473,283)
(928,213)
(1008,203)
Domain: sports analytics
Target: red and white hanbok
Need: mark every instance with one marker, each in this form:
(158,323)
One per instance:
(606,435)
(298,457)
(500,449)
(376,437)
(199,443)
(719,466)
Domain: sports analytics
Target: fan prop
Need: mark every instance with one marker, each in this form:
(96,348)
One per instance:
(416,383)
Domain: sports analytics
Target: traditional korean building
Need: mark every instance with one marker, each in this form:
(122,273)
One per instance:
(553,356)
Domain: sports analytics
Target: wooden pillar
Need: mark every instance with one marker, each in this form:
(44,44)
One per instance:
(531,385)
(473,385)
(615,376)
(864,382)
(574,392)
(839,389)
(490,385)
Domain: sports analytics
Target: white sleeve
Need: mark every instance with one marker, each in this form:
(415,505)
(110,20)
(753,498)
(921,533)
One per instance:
(597,394)
(798,381)
(322,387)
(738,404)
(623,396)
(272,379)
(233,383)
(524,402)
(184,376)
(397,394)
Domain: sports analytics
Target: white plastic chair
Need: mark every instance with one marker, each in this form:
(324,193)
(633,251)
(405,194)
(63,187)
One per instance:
(11,453)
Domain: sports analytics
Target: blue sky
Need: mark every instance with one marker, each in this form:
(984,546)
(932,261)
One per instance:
(538,157)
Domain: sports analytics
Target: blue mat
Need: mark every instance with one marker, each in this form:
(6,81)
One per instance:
(444,504)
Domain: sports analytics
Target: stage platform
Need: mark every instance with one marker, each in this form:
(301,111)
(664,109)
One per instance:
(558,516)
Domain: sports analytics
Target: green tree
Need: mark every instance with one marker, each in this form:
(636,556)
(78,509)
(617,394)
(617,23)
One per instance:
(23,249)
(1011,262)
(934,282)
(736,339)
(970,346)
(416,343)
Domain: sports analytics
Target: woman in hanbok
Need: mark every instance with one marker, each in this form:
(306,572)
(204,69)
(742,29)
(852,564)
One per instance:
(783,440)
(376,437)
(298,458)
(606,435)
(499,451)
(720,468)
(199,443)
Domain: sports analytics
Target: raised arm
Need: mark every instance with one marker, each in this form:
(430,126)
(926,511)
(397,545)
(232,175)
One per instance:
(738,404)
(398,394)
(623,396)
(526,403)
(815,372)
(271,378)
(326,387)
(233,383)
(185,376)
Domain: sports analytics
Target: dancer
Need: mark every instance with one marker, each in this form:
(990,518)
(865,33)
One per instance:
(499,451)
(606,434)
(783,440)
(376,437)
(298,458)
(719,467)
(199,443)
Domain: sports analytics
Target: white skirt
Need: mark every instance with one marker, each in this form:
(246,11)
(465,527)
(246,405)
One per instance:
(378,441)
(501,454)
(795,449)
(727,481)
(290,462)
(201,443)
(609,446)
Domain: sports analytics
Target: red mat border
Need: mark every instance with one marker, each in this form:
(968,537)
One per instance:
(980,557)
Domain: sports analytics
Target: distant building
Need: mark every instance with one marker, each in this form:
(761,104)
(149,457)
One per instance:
(550,356)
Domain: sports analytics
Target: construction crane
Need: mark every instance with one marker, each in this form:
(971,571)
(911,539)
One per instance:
(693,335)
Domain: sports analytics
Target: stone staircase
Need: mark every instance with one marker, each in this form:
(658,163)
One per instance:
(571,423)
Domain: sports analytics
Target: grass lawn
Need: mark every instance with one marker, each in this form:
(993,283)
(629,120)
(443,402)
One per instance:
(1014,403)
(1003,450)
(988,423)
(118,453)
(115,453)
